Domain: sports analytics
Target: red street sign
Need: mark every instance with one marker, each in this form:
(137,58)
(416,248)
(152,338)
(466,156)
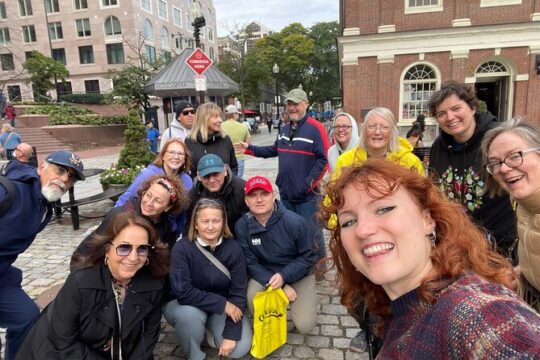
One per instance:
(198,61)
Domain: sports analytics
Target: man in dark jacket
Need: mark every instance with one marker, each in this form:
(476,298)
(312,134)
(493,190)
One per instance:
(457,163)
(279,249)
(30,209)
(216,181)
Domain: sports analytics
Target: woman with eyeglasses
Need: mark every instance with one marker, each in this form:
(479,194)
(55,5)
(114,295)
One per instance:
(425,269)
(345,135)
(511,157)
(110,308)
(207,137)
(209,282)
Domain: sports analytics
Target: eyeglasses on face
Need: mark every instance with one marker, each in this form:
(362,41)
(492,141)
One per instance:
(175,153)
(382,128)
(187,112)
(126,249)
(61,171)
(342,127)
(512,160)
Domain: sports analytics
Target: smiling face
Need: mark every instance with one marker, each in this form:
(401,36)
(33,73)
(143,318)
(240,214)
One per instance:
(155,201)
(213,182)
(385,239)
(522,181)
(456,118)
(123,268)
(209,224)
(297,111)
(214,123)
(55,180)
(186,117)
(342,131)
(260,202)
(377,134)
(174,157)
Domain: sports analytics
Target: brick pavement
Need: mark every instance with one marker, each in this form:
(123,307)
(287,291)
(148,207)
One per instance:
(46,262)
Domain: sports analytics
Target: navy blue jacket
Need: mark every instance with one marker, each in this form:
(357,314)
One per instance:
(29,213)
(285,245)
(195,281)
(302,159)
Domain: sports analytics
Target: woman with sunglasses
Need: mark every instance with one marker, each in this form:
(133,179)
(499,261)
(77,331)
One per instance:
(345,135)
(207,137)
(209,282)
(110,308)
(511,157)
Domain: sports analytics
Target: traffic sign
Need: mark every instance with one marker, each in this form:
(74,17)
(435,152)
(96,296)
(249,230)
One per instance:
(198,61)
(200,83)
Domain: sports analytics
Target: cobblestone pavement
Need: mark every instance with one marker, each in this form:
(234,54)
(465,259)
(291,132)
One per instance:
(45,264)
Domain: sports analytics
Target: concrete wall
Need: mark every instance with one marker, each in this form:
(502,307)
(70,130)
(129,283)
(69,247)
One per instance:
(84,137)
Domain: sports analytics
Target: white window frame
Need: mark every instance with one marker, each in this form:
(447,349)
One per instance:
(179,11)
(148,30)
(3,12)
(404,98)
(109,5)
(111,20)
(210,34)
(26,29)
(12,62)
(166,17)
(82,21)
(27,4)
(3,41)
(423,8)
(490,3)
(146,5)
(79,2)
(56,24)
(51,4)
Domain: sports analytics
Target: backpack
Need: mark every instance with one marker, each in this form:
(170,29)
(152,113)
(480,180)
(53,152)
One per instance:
(10,190)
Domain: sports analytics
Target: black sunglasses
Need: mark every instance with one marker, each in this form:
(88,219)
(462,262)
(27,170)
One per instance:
(187,112)
(126,249)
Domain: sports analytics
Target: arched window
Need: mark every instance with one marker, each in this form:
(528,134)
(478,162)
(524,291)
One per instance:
(112,26)
(148,30)
(419,83)
(164,38)
(491,67)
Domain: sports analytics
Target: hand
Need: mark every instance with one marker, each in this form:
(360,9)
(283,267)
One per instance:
(233,311)
(413,139)
(290,293)
(240,147)
(276,281)
(227,346)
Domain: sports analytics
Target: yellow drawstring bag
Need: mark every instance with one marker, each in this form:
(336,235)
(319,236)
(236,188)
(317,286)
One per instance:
(269,322)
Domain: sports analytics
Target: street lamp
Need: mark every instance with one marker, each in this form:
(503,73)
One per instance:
(275,70)
(198,22)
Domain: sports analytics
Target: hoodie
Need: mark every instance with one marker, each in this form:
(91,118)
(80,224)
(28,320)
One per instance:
(175,131)
(336,150)
(458,170)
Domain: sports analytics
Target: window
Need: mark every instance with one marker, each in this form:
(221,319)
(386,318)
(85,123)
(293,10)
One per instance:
(112,26)
(83,27)
(3,13)
(419,83)
(28,54)
(4,36)
(491,67)
(146,5)
(55,31)
(419,6)
(489,3)
(14,92)
(115,54)
(25,8)
(64,88)
(109,2)
(86,54)
(59,55)
(162,9)
(178,42)
(91,86)
(177,16)
(7,62)
(211,53)
(164,38)
(166,57)
(148,31)
(188,23)
(51,6)
(29,33)
(210,34)
(150,53)
(81,4)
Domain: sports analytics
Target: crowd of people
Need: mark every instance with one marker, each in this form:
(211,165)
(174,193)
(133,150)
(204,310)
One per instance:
(431,267)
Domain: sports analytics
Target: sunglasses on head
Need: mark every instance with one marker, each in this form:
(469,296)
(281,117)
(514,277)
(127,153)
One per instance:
(187,112)
(125,249)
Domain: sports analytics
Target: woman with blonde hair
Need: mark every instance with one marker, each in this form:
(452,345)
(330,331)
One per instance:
(207,137)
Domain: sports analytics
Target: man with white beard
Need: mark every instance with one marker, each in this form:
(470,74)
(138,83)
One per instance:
(26,197)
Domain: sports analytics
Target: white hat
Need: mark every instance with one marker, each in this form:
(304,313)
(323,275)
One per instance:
(231,109)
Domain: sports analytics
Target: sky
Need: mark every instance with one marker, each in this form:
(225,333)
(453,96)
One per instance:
(274,14)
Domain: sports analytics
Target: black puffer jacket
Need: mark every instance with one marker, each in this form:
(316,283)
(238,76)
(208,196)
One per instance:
(220,146)
(458,168)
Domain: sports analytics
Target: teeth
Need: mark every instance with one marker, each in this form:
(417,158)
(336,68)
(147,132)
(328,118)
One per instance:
(514,179)
(372,250)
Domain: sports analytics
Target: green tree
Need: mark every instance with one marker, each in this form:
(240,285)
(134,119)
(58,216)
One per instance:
(135,151)
(43,71)
(129,86)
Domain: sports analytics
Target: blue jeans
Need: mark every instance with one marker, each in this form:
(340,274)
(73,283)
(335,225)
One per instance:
(308,210)
(241,164)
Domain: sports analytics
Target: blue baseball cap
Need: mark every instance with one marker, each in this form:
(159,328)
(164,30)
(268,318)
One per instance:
(210,164)
(67,159)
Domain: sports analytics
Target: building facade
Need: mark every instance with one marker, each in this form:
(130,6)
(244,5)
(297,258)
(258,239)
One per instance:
(396,53)
(93,36)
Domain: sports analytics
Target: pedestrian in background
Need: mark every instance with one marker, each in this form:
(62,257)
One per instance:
(238,133)
(10,113)
(181,125)
(152,136)
(9,140)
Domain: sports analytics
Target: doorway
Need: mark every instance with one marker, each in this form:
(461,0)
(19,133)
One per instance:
(495,95)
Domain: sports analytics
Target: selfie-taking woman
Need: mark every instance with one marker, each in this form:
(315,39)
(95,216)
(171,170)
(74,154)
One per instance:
(209,282)
(511,155)
(425,269)
(110,308)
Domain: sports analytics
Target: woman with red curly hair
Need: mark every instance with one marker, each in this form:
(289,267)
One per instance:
(424,268)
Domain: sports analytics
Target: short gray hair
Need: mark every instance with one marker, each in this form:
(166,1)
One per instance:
(530,133)
(388,115)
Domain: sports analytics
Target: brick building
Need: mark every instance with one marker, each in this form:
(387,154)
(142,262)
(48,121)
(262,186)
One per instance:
(93,36)
(396,53)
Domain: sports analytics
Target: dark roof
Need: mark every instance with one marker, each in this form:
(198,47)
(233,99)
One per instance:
(177,79)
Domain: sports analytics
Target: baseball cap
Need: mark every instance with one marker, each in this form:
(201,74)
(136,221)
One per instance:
(182,105)
(296,96)
(210,164)
(231,109)
(258,182)
(67,159)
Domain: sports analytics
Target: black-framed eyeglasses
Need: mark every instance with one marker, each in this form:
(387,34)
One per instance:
(63,171)
(187,112)
(341,127)
(512,160)
(126,249)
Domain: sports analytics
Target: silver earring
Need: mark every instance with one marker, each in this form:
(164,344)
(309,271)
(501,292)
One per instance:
(432,237)
(106,260)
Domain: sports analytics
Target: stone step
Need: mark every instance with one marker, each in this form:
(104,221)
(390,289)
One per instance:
(44,142)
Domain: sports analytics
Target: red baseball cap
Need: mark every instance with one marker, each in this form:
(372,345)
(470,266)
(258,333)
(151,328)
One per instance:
(258,182)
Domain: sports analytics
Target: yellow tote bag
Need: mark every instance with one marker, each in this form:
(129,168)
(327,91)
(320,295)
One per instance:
(269,322)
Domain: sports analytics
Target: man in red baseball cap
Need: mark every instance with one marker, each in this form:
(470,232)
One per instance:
(280,252)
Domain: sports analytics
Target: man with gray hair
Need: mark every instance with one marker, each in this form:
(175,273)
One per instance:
(26,197)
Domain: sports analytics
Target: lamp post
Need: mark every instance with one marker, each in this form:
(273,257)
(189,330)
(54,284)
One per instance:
(198,22)
(275,70)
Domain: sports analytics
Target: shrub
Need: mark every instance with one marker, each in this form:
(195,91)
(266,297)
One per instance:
(119,175)
(88,120)
(135,151)
(84,98)
(63,109)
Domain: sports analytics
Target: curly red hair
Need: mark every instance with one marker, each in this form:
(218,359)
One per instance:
(461,247)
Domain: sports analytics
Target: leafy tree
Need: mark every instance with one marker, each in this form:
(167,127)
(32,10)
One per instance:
(43,71)
(129,86)
(135,151)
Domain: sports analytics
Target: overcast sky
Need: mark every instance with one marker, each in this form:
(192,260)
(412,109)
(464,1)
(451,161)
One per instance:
(275,14)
